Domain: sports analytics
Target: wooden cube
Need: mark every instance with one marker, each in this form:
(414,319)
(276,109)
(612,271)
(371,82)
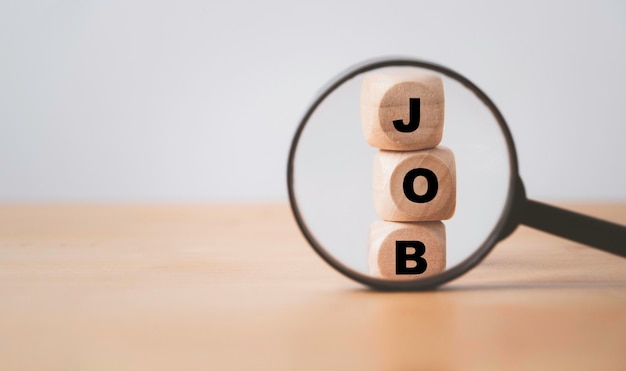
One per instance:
(415,186)
(402,110)
(406,251)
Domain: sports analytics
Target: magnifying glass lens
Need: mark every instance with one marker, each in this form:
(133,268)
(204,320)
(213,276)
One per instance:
(348,194)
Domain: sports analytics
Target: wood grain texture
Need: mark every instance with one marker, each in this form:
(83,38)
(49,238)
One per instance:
(385,98)
(383,236)
(235,286)
(390,170)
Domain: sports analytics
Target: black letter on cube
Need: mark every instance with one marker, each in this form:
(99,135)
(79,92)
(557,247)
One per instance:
(414,117)
(402,257)
(431,192)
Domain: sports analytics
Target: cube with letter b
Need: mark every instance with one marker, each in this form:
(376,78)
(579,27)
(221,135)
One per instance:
(402,251)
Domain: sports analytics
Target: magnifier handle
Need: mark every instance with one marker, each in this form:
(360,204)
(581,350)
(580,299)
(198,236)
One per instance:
(603,235)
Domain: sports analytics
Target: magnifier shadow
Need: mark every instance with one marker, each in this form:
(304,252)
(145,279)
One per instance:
(536,286)
(506,286)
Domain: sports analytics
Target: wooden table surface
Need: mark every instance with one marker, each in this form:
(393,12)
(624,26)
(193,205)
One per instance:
(235,286)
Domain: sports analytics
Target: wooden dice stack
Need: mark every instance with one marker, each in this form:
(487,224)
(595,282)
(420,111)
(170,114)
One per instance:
(402,114)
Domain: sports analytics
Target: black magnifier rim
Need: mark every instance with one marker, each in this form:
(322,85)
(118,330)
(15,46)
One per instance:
(496,234)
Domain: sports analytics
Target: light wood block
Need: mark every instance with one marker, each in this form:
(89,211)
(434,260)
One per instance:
(386,99)
(415,186)
(406,251)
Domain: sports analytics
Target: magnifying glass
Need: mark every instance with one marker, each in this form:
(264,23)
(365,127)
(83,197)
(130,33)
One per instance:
(336,181)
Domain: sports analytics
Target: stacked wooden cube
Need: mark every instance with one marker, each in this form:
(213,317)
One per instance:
(402,114)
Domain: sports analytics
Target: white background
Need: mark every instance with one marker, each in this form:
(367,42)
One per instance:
(185,101)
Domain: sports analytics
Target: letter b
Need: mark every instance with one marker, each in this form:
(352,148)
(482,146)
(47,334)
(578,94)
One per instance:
(403,257)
